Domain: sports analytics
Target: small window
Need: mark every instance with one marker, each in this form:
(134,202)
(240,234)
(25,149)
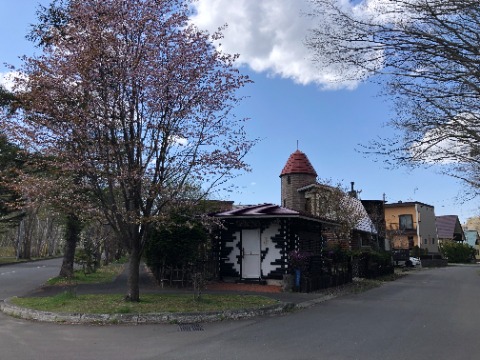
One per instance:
(425,241)
(433,241)
(289,181)
(405,222)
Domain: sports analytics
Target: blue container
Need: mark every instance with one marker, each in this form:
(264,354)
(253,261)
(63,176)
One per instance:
(297,278)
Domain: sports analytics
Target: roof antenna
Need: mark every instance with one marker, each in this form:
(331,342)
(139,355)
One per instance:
(297,144)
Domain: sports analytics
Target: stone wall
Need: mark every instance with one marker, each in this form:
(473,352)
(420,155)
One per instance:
(290,183)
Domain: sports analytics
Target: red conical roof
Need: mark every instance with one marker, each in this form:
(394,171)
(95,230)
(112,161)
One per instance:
(298,163)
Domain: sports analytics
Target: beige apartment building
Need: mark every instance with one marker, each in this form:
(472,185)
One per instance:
(410,224)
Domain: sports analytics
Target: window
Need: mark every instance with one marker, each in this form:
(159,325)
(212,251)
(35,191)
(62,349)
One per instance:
(308,206)
(405,222)
(425,241)
(433,241)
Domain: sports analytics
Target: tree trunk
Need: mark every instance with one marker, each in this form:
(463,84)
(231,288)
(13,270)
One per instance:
(20,235)
(134,274)
(27,238)
(72,235)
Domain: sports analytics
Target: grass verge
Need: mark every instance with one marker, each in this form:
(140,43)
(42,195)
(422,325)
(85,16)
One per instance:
(68,302)
(9,260)
(104,274)
(14,260)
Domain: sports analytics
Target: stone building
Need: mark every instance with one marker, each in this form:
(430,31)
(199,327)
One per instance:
(301,192)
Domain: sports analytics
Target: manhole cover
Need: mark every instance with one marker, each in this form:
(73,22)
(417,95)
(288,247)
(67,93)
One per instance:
(190,327)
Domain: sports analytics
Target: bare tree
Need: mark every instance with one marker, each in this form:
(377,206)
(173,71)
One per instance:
(333,202)
(39,233)
(135,103)
(427,54)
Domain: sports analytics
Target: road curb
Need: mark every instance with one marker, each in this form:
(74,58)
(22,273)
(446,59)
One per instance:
(309,303)
(136,319)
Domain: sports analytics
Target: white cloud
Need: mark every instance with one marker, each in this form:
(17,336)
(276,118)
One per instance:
(270,35)
(178,140)
(6,80)
(455,142)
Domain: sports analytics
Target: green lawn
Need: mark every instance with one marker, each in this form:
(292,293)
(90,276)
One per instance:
(68,302)
(104,274)
(8,260)
(12,260)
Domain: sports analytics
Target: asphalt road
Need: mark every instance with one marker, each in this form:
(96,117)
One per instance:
(19,279)
(430,314)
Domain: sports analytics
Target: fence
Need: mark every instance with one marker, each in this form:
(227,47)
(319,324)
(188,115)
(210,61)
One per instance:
(433,260)
(323,273)
(371,267)
(181,275)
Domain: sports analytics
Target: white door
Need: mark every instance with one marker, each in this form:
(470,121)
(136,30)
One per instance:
(251,254)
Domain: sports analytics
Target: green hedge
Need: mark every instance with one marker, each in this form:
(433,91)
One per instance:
(458,252)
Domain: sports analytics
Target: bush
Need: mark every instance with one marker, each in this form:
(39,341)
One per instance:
(379,257)
(176,244)
(418,252)
(299,259)
(458,252)
(338,254)
(87,257)
(372,264)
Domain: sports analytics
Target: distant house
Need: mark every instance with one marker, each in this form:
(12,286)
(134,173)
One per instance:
(410,225)
(449,229)
(473,239)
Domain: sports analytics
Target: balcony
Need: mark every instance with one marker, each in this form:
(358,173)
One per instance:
(395,228)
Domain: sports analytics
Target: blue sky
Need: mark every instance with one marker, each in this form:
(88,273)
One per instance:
(289,102)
